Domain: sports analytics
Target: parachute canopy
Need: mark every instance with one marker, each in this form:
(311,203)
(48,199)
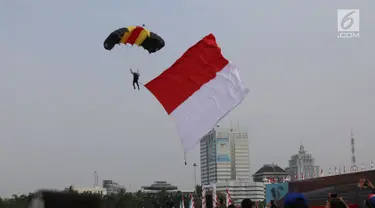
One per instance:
(135,35)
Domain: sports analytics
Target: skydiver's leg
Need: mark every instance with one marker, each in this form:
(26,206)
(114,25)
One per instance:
(134,84)
(137,85)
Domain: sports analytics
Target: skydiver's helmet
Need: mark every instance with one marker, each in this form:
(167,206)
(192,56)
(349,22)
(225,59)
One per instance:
(55,199)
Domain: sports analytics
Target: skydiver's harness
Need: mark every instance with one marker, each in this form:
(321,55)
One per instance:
(135,76)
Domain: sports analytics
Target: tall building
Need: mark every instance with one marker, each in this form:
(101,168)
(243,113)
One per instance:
(224,155)
(302,165)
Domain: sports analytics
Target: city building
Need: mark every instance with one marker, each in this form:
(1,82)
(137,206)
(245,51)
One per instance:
(159,186)
(112,187)
(240,190)
(95,190)
(302,165)
(224,155)
(270,171)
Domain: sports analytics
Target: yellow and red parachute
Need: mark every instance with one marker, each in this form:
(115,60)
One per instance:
(135,35)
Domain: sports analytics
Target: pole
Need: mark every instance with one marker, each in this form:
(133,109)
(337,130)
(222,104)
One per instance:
(195,175)
(94,179)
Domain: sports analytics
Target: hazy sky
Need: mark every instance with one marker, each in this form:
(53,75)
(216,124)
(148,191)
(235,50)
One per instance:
(67,106)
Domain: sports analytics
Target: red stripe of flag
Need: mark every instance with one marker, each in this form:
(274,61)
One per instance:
(197,66)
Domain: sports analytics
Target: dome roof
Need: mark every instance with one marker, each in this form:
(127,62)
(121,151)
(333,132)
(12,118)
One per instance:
(270,168)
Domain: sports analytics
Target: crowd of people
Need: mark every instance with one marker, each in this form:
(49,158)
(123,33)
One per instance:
(334,200)
(298,200)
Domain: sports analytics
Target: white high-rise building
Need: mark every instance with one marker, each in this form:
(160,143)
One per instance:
(302,165)
(224,154)
(240,190)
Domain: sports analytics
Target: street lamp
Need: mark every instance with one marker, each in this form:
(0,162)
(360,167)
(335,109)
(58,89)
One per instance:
(195,175)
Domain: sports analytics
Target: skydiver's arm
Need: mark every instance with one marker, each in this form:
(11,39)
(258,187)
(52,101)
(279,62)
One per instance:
(131,71)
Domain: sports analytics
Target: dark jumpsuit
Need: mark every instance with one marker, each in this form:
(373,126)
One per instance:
(135,79)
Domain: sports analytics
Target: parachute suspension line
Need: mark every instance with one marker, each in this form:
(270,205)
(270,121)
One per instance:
(141,84)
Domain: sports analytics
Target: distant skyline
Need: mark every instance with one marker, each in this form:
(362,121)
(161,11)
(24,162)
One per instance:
(68,108)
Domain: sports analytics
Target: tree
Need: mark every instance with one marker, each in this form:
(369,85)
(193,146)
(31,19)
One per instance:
(198,190)
(69,189)
(109,201)
(121,192)
(122,199)
(262,204)
(222,197)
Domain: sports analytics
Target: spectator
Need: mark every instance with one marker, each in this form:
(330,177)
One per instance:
(370,203)
(335,201)
(247,203)
(272,204)
(295,200)
(369,184)
(365,183)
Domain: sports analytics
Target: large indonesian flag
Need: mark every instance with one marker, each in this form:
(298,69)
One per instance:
(199,89)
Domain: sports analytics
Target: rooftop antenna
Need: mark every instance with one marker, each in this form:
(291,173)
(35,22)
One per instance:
(352,142)
(231,126)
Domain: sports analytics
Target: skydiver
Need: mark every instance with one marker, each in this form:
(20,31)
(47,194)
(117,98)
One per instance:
(135,78)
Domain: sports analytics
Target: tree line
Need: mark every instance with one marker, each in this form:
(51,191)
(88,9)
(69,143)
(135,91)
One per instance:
(123,199)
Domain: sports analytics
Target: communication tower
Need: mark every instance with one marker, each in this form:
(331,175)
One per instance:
(96,179)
